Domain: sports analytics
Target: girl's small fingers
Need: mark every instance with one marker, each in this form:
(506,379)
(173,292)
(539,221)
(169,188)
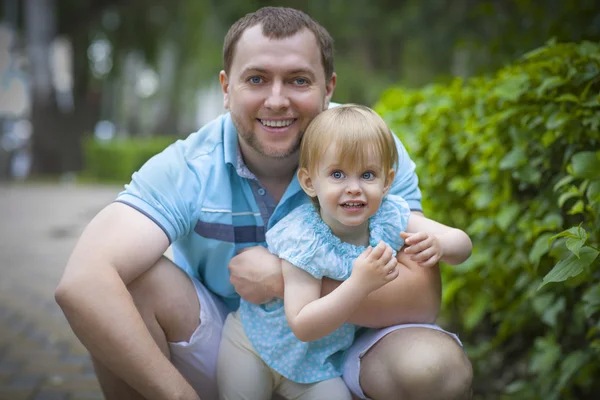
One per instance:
(392,275)
(430,262)
(391,264)
(377,251)
(423,255)
(416,248)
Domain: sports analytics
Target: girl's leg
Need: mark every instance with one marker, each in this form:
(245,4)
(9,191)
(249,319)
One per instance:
(330,389)
(241,374)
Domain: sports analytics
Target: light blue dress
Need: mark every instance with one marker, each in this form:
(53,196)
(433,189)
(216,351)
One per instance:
(303,239)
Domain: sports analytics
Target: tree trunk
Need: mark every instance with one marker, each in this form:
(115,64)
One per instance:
(40,26)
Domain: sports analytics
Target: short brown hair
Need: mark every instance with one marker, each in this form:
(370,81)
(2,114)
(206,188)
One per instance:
(279,23)
(353,129)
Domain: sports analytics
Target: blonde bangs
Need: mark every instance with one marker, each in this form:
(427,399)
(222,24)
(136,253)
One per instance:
(356,131)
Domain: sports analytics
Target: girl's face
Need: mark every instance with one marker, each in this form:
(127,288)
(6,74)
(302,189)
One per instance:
(348,195)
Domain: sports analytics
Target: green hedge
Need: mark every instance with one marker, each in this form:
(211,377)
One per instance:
(514,159)
(116,160)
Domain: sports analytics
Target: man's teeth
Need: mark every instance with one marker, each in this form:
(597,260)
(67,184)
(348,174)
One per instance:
(276,124)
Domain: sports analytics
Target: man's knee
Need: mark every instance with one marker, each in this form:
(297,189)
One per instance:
(441,369)
(166,299)
(417,363)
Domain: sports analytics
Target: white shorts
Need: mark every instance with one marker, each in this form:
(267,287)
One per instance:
(197,359)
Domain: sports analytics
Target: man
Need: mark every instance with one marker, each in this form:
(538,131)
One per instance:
(152,327)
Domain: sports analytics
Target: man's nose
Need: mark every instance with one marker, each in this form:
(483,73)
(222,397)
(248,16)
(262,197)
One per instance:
(277,98)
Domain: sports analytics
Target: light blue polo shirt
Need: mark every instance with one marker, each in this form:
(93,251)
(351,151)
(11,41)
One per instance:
(200,193)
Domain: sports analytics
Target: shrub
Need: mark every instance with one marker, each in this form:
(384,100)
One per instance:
(514,159)
(116,160)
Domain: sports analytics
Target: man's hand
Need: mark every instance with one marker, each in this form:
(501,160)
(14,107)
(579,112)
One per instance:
(256,275)
(424,248)
(374,267)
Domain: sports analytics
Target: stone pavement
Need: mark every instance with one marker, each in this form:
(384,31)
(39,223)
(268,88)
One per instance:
(40,358)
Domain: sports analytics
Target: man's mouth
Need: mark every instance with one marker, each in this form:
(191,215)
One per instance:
(281,123)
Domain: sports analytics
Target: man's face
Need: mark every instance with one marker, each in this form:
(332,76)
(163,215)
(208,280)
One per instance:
(274,88)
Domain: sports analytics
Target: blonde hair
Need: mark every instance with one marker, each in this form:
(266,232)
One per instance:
(354,129)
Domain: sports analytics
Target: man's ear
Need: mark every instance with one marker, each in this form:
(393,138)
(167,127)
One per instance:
(389,180)
(224,81)
(306,182)
(329,88)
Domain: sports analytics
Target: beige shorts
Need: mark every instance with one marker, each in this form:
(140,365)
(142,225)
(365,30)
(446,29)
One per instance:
(197,359)
(242,374)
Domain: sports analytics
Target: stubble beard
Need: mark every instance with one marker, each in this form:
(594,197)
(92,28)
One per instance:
(251,140)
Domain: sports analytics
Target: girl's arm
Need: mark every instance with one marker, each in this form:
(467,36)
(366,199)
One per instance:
(452,245)
(311,316)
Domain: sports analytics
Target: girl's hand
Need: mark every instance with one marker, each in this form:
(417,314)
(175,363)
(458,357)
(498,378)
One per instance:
(374,267)
(423,248)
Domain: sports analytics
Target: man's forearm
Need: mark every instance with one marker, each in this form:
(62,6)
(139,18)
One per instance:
(413,297)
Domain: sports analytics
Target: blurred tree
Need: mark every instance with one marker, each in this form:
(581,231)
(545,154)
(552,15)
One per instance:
(378,43)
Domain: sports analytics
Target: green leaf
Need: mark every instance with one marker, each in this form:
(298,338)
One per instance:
(571,267)
(573,232)
(586,164)
(563,181)
(547,353)
(515,158)
(571,365)
(550,315)
(575,244)
(591,301)
(507,215)
(593,192)
(549,83)
(563,198)
(556,121)
(539,248)
(475,312)
(452,287)
(568,97)
(577,208)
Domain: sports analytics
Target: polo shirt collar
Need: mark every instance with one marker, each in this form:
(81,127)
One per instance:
(230,141)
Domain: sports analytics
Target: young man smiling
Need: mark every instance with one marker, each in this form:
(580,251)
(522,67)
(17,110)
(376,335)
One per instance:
(152,326)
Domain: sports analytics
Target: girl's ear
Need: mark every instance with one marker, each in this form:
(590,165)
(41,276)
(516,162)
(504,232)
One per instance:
(306,182)
(388,180)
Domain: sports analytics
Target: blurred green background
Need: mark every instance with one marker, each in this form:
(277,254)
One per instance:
(496,101)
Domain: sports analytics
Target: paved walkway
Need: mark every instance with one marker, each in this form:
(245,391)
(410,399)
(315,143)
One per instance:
(40,358)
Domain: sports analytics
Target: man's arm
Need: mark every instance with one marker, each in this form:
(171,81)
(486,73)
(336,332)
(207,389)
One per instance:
(414,296)
(117,246)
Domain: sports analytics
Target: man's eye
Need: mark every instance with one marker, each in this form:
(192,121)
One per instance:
(301,81)
(255,79)
(337,174)
(368,175)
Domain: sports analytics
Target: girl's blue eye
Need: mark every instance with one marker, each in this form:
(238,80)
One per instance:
(337,174)
(368,175)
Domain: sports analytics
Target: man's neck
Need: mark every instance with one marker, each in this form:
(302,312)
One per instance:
(275,174)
